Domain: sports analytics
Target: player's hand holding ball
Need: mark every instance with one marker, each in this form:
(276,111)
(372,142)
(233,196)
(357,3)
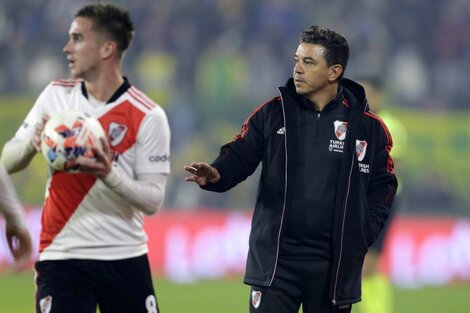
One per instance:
(73,141)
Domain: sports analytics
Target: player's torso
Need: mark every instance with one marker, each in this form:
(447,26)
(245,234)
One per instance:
(83,218)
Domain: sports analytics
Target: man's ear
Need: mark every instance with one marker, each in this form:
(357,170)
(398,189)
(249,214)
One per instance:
(108,49)
(335,72)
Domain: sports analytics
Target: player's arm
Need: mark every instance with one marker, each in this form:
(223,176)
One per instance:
(383,183)
(18,152)
(146,191)
(18,238)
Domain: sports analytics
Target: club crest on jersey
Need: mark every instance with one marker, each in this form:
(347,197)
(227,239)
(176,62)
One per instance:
(45,304)
(256,298)
(361,148)
(340,129)
(116,133)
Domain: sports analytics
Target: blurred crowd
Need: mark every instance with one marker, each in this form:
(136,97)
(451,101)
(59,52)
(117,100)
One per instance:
(210,62)
(419,46)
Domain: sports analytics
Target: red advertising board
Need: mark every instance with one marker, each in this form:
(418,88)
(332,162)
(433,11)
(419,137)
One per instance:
(207,244)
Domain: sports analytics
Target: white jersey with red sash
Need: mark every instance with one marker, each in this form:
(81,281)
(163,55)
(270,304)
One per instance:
(82,218)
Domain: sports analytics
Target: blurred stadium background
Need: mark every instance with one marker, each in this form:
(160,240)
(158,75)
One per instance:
(209,63)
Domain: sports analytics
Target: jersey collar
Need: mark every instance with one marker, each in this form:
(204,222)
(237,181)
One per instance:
(122,89)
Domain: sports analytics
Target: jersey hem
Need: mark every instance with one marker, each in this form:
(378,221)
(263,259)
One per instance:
(105,254)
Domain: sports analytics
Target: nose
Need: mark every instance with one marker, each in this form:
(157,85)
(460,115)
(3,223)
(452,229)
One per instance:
(67,48)
(297,68)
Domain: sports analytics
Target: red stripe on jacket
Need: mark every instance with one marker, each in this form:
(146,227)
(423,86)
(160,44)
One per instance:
(245,124)
(388,147)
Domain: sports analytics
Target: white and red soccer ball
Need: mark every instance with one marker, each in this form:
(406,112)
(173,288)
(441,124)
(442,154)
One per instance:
(69,136)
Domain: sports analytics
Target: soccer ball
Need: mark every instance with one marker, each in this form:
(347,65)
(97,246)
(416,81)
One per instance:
(69,136)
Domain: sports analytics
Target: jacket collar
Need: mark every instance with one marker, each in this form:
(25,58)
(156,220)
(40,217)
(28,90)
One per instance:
(353,92)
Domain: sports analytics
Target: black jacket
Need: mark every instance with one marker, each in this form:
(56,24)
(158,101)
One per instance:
(365,188)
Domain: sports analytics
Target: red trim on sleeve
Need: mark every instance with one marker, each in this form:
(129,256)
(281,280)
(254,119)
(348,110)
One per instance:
(66,82)
(245,124)
(390,165)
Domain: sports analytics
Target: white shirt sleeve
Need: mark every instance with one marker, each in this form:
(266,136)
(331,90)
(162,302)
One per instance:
(17,154)
(153,144)
(10,205)
(152,165)
(145,194)
(19,151)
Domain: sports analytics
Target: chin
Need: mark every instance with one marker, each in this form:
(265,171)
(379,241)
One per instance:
(299,91)
(76,75)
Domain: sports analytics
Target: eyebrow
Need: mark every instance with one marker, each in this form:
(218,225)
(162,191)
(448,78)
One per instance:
(304,58)
(75,34)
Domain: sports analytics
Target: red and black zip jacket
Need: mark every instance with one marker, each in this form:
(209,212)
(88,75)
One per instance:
(364,193)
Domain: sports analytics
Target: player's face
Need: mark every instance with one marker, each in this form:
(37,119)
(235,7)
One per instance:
(83,50)
(311,72)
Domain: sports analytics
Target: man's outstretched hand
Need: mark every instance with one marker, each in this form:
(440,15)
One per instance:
(202,172)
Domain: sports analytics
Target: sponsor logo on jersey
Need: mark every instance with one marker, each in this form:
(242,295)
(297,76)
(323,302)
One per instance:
(159,158)
(340,129)
(361,148)
(336,146)
(364,168)
(281,131)
(45,304)
(256,298)
(116,133)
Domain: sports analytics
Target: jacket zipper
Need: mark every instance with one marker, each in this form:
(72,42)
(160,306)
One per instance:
(344,221)
(285,194)
(342,230)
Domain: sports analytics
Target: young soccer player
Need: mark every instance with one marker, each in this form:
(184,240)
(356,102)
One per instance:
(93,248)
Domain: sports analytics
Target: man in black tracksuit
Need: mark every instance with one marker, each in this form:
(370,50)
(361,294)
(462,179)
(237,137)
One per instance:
(326,185)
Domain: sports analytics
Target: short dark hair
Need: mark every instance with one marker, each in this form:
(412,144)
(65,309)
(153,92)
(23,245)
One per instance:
(112,20)
(336,46)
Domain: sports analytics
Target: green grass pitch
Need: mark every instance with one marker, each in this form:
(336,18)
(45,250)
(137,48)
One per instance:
(232,296)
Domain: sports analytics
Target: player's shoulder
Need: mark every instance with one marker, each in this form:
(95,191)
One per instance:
(274,101)
(143,102)
(272,104)
(376,122)
(63,86)
(66,83)
(372,117)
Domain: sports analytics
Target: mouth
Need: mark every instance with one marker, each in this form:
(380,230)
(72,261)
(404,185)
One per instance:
(71,62)
(298,81)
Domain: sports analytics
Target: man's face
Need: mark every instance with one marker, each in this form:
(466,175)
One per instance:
(83,49)
(311,72)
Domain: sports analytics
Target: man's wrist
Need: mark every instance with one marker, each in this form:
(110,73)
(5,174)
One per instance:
(215,176)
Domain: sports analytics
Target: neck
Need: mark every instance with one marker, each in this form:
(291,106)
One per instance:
(322,98)
(104,85)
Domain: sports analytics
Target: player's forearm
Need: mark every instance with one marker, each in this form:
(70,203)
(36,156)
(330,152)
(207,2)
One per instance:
(145,194)
(16,155)
(10,205)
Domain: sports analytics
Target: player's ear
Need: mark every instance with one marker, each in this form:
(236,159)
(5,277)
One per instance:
(335,71)
(108,49)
